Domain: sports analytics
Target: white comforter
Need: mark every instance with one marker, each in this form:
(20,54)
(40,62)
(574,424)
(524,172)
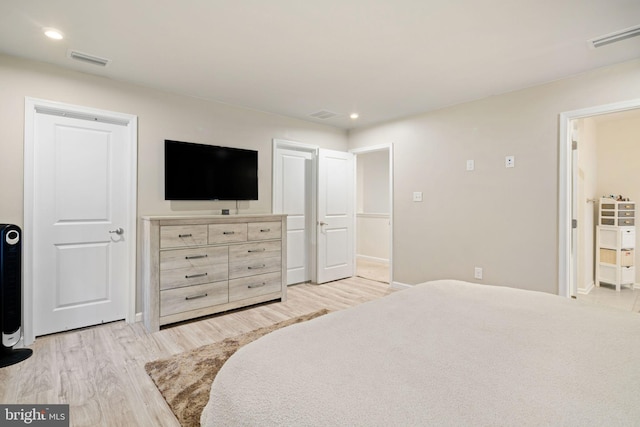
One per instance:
(441,353)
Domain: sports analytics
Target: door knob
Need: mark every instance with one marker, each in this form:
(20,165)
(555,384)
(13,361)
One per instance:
(119,231)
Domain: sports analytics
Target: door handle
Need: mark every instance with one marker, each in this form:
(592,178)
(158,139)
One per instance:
(321,223)
(119,231)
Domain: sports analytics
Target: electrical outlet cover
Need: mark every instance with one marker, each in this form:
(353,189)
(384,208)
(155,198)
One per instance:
(509,161)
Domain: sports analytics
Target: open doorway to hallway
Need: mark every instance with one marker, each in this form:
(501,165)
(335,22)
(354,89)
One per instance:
(373,213)
(607,155)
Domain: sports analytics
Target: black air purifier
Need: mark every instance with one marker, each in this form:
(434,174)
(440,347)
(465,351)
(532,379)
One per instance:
(11,295)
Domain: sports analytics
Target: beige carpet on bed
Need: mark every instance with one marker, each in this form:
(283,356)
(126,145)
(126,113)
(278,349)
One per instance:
(184,380)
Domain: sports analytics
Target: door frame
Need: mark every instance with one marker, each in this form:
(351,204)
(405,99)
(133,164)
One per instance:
(313,186)
(567,285)
(382,147)
(34,106)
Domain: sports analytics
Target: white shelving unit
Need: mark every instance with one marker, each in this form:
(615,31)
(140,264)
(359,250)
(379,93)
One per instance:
(615,243)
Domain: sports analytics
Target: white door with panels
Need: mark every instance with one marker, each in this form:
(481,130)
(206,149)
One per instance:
(82,210)
(336,220)
(293,196)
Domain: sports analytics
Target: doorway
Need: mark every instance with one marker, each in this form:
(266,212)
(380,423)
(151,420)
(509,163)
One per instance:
(294,193)
(80,217)
(607,153)
(570,200)
(374,205)
(321,183)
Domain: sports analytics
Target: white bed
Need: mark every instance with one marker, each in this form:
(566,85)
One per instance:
(440,353)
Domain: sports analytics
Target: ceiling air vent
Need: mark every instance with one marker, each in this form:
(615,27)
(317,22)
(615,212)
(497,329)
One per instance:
(615,37)
(89,59)
(323,115)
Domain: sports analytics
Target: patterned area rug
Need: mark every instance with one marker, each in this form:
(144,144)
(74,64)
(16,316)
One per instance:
(184,380)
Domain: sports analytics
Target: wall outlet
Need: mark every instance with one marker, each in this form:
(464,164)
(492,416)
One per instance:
(510,161)
(417,196)
(477,273)
(470,165)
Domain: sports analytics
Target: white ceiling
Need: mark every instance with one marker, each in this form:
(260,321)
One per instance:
(384,59)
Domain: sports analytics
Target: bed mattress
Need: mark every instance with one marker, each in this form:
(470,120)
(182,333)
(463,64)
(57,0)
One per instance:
(440,353)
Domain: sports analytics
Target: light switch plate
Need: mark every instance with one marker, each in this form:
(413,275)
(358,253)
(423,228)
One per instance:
(470,165)
(417,196)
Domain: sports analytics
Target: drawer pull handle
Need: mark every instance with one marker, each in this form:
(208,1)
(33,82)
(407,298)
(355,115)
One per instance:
(257,267)
(196,297)
(265,230)
(258,285)
(228,232)
(196,256)
(257,250)
(195,275)
(185,235)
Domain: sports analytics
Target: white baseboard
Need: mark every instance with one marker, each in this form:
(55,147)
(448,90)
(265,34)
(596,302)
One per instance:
(371,258)
(400,286)
(587,290)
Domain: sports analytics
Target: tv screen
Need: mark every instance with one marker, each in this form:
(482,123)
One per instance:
(208,172)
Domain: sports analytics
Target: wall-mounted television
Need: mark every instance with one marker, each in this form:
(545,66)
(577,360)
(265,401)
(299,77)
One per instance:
(208,172)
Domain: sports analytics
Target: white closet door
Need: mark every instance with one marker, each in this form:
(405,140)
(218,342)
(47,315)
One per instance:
(81,209)
(336,218)
(293,196)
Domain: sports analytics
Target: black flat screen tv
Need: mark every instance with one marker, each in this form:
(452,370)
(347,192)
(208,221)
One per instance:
(209,172)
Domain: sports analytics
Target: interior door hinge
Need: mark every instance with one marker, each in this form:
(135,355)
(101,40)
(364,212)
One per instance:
(574,145)
(574,223)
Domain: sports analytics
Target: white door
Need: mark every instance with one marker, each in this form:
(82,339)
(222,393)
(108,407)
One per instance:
(81,212)
(293,196)
(336,222)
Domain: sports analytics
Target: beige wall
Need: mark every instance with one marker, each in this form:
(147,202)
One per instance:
(160,115)
(372,182)
(504,220)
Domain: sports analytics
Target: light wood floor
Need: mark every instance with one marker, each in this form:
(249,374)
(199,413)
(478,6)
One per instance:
(371,269)
(99,371)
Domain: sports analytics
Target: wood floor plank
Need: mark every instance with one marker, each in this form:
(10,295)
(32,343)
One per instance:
(99,371)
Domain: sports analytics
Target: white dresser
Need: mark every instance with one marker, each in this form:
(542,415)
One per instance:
(615,243)
(194,266)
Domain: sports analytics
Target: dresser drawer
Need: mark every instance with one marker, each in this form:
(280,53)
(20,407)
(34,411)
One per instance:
(256,250)
(626,214)
(179,300)
(196,257)
(265,230)
(628,238)
(626,206)
(181,277)
(252,267)
(249,287)
(626,222)
(227,233)
(176,236)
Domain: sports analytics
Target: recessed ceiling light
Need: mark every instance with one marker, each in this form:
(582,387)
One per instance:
(354,116)
(52,33)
